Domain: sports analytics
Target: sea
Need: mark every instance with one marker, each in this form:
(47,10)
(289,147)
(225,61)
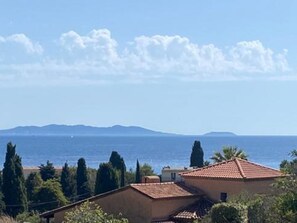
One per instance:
(157,151)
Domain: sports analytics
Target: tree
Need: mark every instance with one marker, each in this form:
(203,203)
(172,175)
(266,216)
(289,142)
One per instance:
(47,171)
(49,196)
(137,174)
(90,212)
(197,155)
(2,204)
(118,163)
(67,182)
(33,182)
(229,152)
(116,160)
(146,170)
(13,183)
(286,202)
(106,179)
(82,184)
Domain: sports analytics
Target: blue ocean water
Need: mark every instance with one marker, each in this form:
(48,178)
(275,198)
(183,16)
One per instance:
(162,151)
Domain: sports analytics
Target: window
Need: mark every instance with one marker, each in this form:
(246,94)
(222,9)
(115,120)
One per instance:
(223,196)
(173,176)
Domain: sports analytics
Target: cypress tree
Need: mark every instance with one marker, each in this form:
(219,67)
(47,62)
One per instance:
(118,163)
(197,155)
(82,183)
(2,204)
(13,183)
(106,179)
(137,174)
(67,183)
(123,171)
(116,160)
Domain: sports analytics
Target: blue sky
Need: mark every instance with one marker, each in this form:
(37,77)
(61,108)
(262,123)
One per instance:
(185,67)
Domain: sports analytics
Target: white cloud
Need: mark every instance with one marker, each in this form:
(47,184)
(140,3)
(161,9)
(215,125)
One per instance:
(24,41)
(96,58)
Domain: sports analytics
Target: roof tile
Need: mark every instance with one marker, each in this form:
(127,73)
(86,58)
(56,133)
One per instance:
(234,169)
(165,190)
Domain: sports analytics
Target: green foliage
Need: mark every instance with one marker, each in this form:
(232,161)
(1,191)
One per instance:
(137,174)
(229,152)
(2,204)
(255,206)
(146,170)
(32,217)
(90,212)
(197,155)
(116,160)
(13,188)
(49,196)
(285,205)
(225,213)
(47,171)
(118,163)
(106,179)
(82,184)
(130,176)
(32,183)
(67,181)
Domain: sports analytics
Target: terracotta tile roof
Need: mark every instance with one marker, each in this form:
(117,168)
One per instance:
(165,190)
(194,211)
(234,169)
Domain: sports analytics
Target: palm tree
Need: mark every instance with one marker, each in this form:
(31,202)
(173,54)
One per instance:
(229,152)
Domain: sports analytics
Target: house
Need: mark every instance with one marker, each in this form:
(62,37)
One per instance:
(172,174)
(218,181)
(182,201)
(145,203)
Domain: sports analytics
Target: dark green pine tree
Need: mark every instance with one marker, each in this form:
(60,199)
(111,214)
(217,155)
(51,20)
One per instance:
(82,182)
(123,175)
(2,204)
(116,160)
(67,182)
(106,179)
(137,174)
(13,183)
(118,163)
(33,182)
(47,171)
(197,155)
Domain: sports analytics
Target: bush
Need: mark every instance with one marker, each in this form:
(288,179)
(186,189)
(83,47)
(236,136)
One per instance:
(225,213)
(90,212)
(32,217)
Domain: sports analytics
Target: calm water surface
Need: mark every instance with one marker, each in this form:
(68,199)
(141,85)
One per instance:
(156,151)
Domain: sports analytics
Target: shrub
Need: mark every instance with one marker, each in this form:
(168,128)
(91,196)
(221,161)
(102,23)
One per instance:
(90,212)
(225,213)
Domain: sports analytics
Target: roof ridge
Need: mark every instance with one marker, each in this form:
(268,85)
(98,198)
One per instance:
(147,184)
(206,167)
(259,165)
(240,168)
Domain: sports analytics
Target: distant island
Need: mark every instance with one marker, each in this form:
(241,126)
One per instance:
(214,134)
(81,130)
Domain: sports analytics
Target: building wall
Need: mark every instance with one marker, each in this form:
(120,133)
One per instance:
(214,187)
(167,171)
(131,204)
(165,207)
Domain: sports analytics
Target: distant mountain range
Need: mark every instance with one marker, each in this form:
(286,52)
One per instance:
(220,134)
(76,130)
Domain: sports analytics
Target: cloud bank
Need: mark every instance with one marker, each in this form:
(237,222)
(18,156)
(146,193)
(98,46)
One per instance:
(98,58)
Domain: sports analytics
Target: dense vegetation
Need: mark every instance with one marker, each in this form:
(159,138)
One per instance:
(47,189)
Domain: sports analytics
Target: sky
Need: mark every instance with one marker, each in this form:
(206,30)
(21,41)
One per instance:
(187,67)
